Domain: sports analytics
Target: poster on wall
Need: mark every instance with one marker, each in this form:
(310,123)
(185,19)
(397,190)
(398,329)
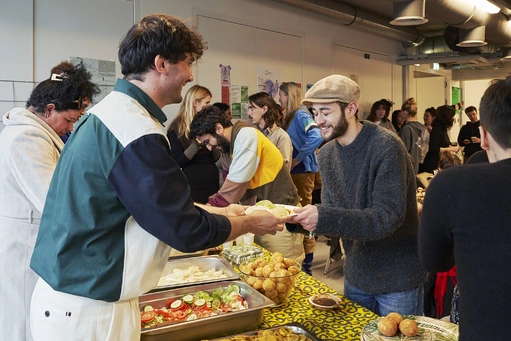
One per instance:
(236,101)
(239,101)
(103,74)
(456,97)
(244,102)
(225,83)
(268,81)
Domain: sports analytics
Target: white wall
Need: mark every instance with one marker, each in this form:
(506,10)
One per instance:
(253,19)
(35,35)
(430,93)
(93,29)
(472,93)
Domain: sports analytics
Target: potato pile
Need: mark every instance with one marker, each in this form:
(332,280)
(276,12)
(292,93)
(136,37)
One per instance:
(389,325)
(274,278)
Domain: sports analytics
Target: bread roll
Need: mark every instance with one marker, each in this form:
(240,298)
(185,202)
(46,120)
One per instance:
(387,326)
(408,327)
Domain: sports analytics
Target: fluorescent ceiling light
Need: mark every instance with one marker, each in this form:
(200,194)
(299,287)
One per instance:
(485,5)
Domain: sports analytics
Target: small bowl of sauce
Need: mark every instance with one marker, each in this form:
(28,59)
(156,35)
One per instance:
(325,301)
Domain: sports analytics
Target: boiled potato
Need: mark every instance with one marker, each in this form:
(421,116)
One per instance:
(258,272)
(269,285)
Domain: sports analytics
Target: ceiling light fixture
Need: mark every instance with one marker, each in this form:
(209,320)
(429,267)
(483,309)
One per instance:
(473,37)
(485,5)
(408,13)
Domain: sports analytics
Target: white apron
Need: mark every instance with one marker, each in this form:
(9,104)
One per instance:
(57,316)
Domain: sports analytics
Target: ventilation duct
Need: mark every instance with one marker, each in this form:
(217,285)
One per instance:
(458,13)
(506,54)
(472,38)
(408,13)
(358,18)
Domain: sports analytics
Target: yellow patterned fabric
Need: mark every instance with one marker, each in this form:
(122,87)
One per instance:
(344,323)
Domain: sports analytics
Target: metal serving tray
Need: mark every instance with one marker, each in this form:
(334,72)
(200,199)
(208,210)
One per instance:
(206,327)
(295,328)
(205,263)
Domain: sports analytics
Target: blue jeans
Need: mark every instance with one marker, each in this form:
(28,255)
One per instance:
(409,302)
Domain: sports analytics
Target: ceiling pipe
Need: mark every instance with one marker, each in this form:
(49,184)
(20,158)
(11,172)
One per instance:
(465,16)
(361,19)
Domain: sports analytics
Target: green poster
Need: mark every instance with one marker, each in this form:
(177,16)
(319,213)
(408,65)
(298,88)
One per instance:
(456,97)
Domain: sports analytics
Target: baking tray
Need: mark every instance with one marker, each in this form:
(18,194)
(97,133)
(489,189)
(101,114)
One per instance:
(295,328)
(206,327)
(205,263)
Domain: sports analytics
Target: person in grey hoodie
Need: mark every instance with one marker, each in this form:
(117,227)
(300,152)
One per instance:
(412,132)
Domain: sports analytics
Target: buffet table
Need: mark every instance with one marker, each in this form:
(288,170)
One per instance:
(344,323)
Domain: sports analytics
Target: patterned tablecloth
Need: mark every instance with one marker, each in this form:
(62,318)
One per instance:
(344,323)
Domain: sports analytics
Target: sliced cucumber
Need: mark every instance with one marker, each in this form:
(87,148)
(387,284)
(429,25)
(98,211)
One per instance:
(191,317)
(200,302)
(176,304)
(188,299)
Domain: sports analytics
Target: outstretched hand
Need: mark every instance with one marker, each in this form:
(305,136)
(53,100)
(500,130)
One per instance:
(307,217)
(267,223)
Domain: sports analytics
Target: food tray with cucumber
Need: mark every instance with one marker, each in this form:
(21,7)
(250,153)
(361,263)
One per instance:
(201,312)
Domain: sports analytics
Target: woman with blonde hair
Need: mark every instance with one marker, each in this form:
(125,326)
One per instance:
(306,138)
(412,131)
(196,161)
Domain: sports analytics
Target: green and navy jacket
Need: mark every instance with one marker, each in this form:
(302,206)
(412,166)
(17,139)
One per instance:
(116,202)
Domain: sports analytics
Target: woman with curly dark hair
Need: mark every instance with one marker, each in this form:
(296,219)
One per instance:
(439,139)
(30,147)
(378,115)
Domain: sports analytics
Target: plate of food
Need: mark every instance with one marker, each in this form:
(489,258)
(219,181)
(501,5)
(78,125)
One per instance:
(277,209)
(395,327)
(325,301)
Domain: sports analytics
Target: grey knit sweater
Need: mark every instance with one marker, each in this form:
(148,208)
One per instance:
(369,201)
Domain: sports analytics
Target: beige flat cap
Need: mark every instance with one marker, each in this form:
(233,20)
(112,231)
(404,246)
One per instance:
(334,88)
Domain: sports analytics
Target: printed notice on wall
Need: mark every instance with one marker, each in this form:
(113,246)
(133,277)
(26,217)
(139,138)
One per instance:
(236,101)
(268,80)
(103,74)
(225,83)
(244,102)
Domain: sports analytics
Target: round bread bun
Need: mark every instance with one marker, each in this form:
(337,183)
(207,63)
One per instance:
(396,317)
(257,208)
(278,211)
(387,327)
(408,327)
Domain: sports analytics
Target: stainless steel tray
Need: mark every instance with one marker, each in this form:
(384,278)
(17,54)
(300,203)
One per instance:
(205,263)
(295,328)
(207,327)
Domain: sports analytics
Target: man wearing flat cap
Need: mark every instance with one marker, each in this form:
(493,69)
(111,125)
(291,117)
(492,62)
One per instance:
(368,200)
